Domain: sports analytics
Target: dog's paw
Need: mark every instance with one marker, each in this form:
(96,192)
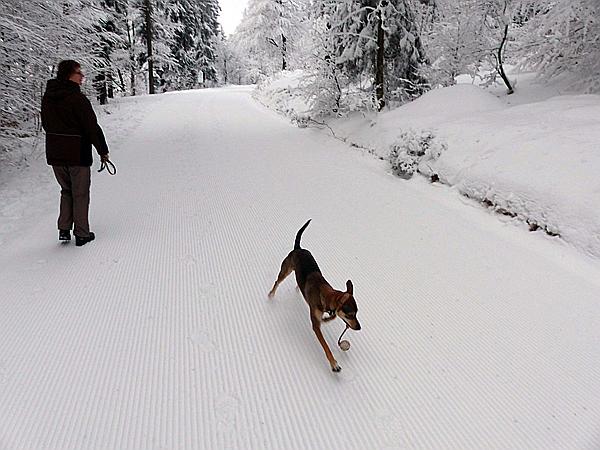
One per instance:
(336,368)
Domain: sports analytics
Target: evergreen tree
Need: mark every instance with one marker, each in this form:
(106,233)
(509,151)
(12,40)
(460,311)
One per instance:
(110,38)
(209,35)
(379,39)
(403,53)
(194,40)
(126,57)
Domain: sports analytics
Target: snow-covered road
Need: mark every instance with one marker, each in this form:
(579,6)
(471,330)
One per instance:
(159,335)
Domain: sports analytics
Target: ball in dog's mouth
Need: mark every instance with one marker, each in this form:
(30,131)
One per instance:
(345,345)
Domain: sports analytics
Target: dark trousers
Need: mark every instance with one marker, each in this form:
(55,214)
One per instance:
(74,198)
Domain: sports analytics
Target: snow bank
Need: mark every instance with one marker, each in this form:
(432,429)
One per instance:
(535,158)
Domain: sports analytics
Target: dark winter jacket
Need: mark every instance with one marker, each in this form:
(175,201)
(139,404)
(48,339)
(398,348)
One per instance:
(71,125)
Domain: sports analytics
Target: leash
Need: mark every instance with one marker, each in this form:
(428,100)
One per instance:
(344,345)
(109,166)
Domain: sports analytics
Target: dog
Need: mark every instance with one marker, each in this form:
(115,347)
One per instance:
(318,293)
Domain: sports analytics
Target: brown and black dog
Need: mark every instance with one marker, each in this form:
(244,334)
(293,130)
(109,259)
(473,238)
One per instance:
(318,293)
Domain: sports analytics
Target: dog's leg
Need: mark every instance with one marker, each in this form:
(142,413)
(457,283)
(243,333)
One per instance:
(287,266)
(315,318)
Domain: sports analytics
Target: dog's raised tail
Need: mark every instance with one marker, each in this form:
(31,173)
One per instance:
(299,235)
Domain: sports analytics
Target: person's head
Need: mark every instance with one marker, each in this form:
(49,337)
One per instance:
(69,70)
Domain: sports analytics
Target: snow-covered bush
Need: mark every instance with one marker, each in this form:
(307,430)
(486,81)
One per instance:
(413,148)
(281,92)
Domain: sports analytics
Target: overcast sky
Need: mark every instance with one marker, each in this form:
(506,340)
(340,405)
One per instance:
(231,14)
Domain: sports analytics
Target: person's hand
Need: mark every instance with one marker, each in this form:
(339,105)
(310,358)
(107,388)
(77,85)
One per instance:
(106,163)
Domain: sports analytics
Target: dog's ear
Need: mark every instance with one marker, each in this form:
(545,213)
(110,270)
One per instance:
(349,287)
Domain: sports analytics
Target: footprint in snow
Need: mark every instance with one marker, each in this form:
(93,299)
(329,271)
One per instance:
(3,376)
(227,410)
(393,432)
(203,342)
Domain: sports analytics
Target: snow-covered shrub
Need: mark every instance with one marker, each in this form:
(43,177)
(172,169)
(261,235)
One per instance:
(281,93)
(333,95)
(413,148)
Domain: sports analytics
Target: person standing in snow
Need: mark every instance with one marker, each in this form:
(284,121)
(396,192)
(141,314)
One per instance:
(71,128)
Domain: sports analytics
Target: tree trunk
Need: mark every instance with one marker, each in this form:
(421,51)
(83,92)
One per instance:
(130,41)
(100,85)
(121,81)
(110,86)
(283,52)
(148,8)
(379,62)
(132,81)
(499,60)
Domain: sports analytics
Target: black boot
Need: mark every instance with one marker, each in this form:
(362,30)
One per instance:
(64,235)
(79,241)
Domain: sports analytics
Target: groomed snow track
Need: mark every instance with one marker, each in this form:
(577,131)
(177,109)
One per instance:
(159,335)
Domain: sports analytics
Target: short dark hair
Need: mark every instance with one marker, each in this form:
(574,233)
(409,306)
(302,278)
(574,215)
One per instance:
(66,68)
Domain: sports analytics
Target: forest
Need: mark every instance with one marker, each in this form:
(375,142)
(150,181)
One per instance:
(355,54)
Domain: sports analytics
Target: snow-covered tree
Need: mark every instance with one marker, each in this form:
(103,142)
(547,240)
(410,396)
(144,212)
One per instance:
(377,40)
(194,40)
(210,33)
(111,33)
(156,30)
(563,37)
(125,58)
(325,84)
(267,34)
(34,36)
(228,63)
(498,17)
(453,39)
(473,36)
(403,53)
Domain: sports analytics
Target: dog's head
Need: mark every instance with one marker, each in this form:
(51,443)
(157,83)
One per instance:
(347,309)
